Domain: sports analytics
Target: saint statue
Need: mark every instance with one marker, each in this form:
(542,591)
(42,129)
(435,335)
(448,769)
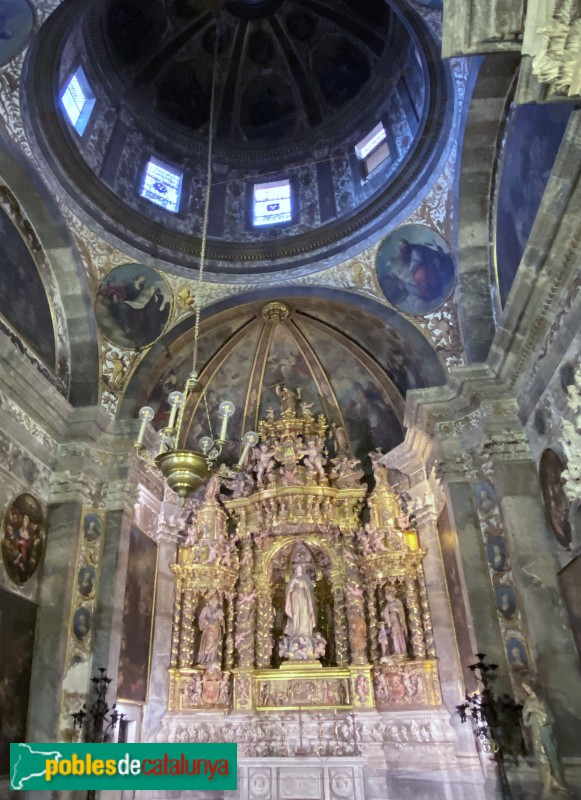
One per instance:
(394,616)
(210,622)
(537,718)
(300,605)
(288,399)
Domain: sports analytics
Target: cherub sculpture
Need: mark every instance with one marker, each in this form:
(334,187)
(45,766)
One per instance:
(345,472)
(319,645)
(263,456)
(314,459)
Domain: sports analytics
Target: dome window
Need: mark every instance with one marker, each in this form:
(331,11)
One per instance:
(272,203)
(78,100)
(373,150)
(161,185)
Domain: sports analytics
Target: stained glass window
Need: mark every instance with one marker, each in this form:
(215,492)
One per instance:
(161,185)
(373,150)
(78,100)
(272,203)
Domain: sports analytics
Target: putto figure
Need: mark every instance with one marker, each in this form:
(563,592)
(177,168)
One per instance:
(265,463)
(314,459)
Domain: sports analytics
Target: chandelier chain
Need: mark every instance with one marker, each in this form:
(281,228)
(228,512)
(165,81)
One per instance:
(197,299)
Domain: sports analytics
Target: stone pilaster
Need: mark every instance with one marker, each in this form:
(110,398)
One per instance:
(168,527)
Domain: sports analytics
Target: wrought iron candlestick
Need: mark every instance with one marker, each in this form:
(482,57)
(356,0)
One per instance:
(495,719)
(98,722)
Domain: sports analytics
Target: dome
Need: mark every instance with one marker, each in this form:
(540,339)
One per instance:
(299,84)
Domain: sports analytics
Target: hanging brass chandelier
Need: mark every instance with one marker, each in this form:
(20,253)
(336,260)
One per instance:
(184,469)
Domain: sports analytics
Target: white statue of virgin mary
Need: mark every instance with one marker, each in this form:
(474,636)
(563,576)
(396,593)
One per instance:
(300,605)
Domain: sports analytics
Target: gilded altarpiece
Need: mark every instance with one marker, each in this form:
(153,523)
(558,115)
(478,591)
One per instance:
(297,588)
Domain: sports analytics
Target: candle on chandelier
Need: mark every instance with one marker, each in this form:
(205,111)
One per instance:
(226,409)
(146,414)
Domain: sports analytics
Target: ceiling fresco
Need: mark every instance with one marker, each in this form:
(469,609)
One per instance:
(24,304)
(355,373)
(532,138)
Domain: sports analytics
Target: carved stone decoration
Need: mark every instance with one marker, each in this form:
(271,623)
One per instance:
(559,61)
(209,689)
(572,440)
(405,683)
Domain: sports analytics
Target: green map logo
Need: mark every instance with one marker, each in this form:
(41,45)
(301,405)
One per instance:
(55,766)
(28,762)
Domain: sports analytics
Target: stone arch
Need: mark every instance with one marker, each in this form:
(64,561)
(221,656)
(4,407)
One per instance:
(310,539)
(478,304)
(77,329)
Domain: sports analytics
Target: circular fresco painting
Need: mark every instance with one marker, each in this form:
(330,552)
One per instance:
(16,23)
(557,505)
(133,305)
(415,269)
(23,538)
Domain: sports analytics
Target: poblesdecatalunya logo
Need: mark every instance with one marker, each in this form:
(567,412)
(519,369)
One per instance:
(123,766)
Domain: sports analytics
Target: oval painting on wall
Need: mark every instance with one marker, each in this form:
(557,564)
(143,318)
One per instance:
(23,538)
(557,506)
(16,23)
(132,306)
(415,269)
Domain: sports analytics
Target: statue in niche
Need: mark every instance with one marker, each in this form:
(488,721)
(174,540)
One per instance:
(300,605)
(538,719)
(211,623)
(394,616)
(314,460)
(383,640)
(288,399)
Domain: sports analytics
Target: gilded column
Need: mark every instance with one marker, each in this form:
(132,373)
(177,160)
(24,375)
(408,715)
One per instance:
(245,624)
(263,623)
(340,621)
(370,590)
(426,616)
(229,654)
(177,616)
(355,604)
(414,618)
(187,630)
